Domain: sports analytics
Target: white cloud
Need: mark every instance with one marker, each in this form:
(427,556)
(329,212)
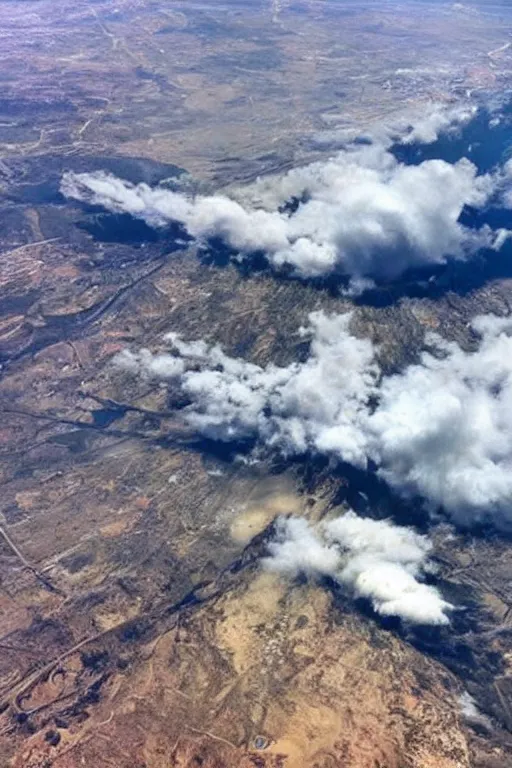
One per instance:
(421,125)
(144,363)
(317,405)
(362,212)
(372,559)
(297,549)
(441,429)
(427,127)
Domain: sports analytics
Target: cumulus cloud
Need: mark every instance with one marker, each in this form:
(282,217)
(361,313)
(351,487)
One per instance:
(298,549)
(372,559)
(149,366)
(440,429)
(361,213)
(422,125)
(426,127)
(443,428)
(317,405)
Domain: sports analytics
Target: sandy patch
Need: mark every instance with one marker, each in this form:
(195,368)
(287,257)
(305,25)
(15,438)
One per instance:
(267,501)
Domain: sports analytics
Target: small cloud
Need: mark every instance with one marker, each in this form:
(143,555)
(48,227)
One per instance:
(372,559)
(427,127)
(144,363)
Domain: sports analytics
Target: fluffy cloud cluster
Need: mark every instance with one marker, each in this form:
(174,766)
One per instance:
(423,125)
(361,213)
(425,128)
(319,405)
(149,366)
(373,559)
(441,429)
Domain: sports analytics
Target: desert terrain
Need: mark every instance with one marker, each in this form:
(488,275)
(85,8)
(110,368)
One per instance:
(138,628)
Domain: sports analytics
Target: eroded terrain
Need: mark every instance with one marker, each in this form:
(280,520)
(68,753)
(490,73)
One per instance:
(138,628)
